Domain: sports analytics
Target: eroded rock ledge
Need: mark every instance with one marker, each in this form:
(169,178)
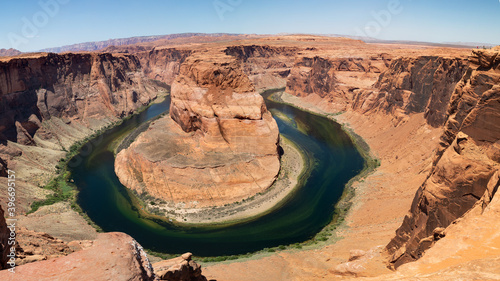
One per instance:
(219,145)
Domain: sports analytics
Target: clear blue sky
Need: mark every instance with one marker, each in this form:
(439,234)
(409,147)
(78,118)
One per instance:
(25,24)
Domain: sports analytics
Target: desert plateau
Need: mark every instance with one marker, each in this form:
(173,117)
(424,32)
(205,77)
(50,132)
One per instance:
(250,156)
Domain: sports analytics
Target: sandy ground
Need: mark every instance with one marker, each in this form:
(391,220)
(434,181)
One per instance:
(381,201)
(292,166)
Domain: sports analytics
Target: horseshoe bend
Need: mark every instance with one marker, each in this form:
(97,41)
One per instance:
(218,146)
(86,145)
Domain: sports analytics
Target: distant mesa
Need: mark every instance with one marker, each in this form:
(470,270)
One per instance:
(9,52)
(113,43)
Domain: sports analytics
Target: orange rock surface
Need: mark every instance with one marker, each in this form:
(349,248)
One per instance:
(113,256)
(219,145)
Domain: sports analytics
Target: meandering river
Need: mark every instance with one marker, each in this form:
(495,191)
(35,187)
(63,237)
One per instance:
(304,214)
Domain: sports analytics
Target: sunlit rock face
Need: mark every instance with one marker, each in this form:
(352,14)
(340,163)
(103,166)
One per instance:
(219,144)
(467,163)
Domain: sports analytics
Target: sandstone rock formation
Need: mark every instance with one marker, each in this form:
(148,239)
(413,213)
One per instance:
(179,269)
(340,81)
(113,256)
(33,246)
(219,145)
(312,76)
(466,166)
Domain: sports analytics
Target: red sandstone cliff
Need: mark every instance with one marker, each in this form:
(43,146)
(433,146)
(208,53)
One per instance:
(339,81)
(406,85)
(266,66)
(51,100)
(163,64)
(422,84)
(79,86)
(466,166)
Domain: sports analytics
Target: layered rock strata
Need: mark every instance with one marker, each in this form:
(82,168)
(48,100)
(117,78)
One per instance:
(466,166)
(267,66)
(163,64)
(401,86)
(422,84)
(336,80)
(50,101)
(219,144)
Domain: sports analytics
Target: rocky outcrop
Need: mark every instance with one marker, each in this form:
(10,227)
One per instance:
(179,269)
(113,256)
(413,85)
(35,246)
(314,75)
(246,52)
(466,166)
(219,144)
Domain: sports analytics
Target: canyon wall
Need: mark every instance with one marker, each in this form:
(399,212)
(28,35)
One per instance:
(267,66)
(378,83)
(466,166)
(422,84)
(163,64)
(50,101)
(75,86)
(219,145)
(337,80)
